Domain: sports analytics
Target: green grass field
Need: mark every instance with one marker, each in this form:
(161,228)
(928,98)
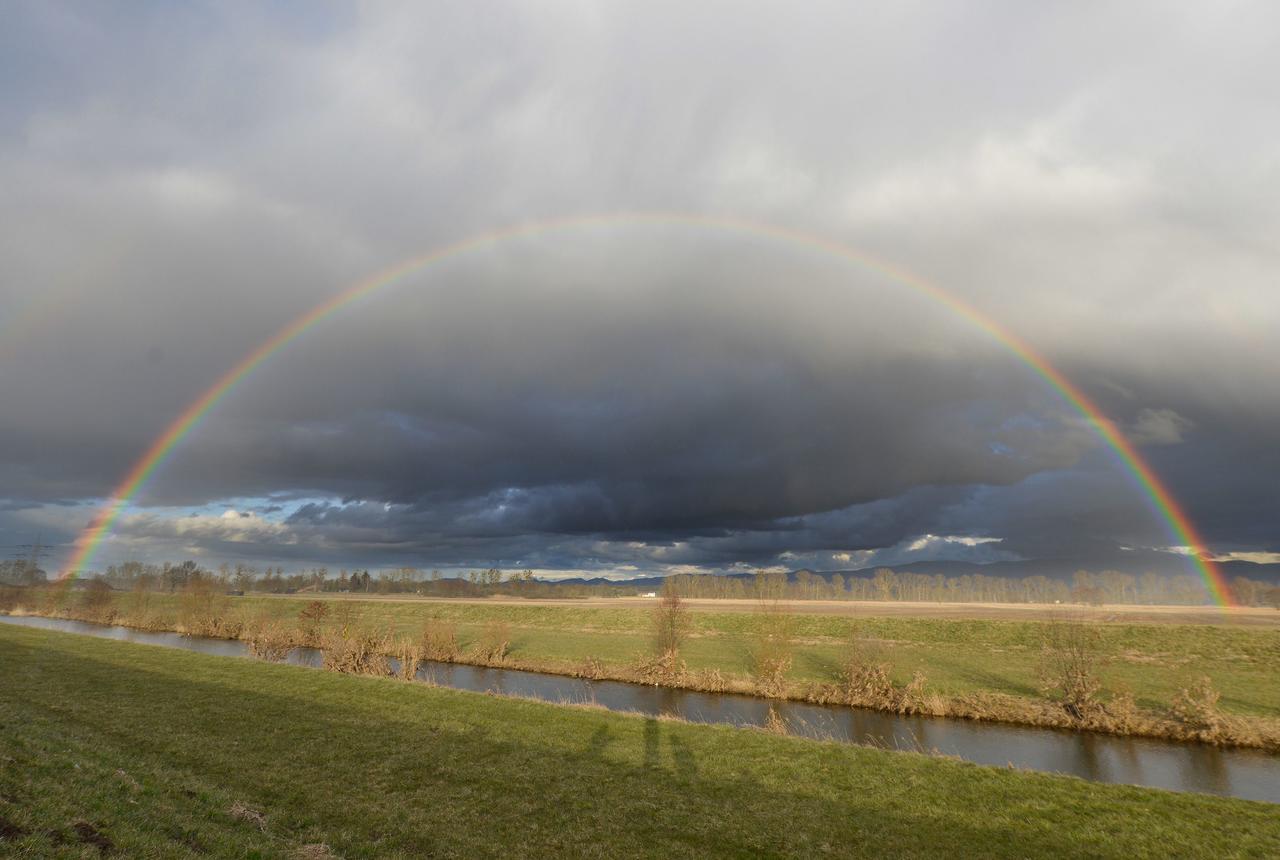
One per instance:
(1152,661)
(121,749)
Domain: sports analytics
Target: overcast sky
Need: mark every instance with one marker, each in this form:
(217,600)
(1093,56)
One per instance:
(180,180)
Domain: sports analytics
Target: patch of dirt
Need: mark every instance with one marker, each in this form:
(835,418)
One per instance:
(10,832)
(314,851)
(90,835)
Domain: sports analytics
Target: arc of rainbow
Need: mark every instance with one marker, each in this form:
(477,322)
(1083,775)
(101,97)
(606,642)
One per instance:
(1161,499)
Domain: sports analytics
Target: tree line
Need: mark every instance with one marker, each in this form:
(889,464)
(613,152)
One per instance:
(1085,587)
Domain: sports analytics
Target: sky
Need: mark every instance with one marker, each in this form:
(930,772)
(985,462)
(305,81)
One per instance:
(630,396)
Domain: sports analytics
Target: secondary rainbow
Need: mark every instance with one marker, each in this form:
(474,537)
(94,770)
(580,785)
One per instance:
(1180,527)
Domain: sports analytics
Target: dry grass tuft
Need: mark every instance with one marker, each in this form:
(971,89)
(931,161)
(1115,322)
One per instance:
(241,811)
(774,724)
(409,655)
(710,681)
(667,669)
(591,668)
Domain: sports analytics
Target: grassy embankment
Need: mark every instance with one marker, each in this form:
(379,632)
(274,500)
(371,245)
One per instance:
(148,752)
(983,669)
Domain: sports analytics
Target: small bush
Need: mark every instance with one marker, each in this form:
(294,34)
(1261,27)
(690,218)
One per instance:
(774,724)
(663,670)
(1069,661)
(912,699)
(57,596)
(204,610)
(494,642)
(310,620)
(864,678)
(439,642)
(96,602)
(772,656)
(1123,715)
(710,681)
(10,597)
(1196,708)
(356,652)
(591,668)
(269,640)
(671,622)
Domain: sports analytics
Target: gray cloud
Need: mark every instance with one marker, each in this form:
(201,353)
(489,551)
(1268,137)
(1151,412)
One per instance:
(182,182)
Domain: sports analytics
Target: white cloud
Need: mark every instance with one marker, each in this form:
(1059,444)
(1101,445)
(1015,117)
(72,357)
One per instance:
(1158,427)
(926,541)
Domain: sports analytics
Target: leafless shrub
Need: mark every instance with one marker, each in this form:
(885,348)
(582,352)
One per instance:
(772,655)
(96,602)
(1069,661)
(1122,713)
(864,677)
(671,622)
(1196,708)
(310,619)
(138,606)
(10,597)
(439,642)
(204,610)
(494,642)
(356,652)
(345,615)
(56,596)
(912,698)
(269,639)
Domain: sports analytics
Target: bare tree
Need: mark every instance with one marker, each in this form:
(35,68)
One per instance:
(1069,662)
(773,650)
(671,621)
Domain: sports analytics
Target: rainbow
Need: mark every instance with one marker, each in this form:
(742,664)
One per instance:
(1180,527)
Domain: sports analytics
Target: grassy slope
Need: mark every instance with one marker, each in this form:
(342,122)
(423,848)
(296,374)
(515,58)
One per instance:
(1151,661)
(152,748)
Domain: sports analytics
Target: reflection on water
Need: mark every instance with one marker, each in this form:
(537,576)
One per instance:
(1101,758)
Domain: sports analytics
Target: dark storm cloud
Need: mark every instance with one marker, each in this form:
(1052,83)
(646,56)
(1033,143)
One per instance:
(180,182)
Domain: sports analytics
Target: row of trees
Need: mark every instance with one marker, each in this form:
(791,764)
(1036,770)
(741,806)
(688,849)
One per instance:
(1085,587)
(167,577)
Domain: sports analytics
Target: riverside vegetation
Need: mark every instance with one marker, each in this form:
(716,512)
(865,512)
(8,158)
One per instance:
(115,749)
(1207,684)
